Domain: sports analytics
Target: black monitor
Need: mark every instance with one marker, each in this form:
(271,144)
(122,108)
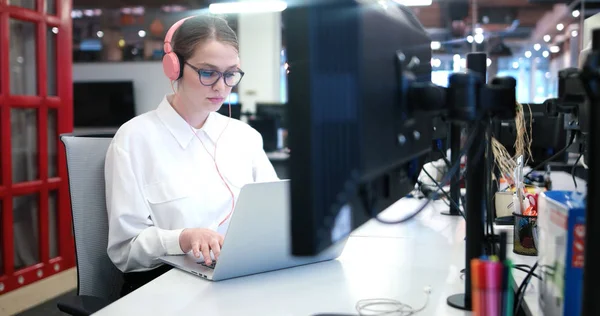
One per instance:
(355,146)
(272,110)
(548,132)
(236,110)
(102,104)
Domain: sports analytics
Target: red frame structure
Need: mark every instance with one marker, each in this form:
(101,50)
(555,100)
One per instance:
(10,278)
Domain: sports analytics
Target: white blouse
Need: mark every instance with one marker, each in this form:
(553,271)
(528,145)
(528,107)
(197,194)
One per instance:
(160,180)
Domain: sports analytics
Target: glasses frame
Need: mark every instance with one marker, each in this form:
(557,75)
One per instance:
(221,75)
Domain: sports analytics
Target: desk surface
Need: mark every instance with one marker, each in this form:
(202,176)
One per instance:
(379,261)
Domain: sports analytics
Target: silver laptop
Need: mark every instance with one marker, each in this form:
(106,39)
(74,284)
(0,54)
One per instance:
(258,238)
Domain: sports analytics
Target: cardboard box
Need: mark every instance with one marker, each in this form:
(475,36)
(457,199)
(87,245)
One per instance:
(561,230)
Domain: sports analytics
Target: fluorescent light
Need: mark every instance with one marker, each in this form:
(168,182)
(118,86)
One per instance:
(554,49)
(414,3)
(537,47)
(547,38)
(436,45)
(247,7)
(576,13)
(528,54)
(560,26)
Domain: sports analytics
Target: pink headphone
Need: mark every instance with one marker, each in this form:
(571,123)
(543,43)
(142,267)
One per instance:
(172,65)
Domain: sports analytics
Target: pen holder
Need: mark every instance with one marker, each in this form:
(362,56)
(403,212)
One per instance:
(525,235)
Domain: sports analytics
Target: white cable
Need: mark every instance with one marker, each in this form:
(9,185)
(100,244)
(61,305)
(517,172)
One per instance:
(369,307)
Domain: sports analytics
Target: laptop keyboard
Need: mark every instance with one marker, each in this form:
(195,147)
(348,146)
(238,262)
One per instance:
(211,266)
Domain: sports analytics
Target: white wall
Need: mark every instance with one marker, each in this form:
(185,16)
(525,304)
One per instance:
(149,82)
(260,54)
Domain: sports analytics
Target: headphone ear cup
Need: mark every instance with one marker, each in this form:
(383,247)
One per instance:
(181,64)
(171,66)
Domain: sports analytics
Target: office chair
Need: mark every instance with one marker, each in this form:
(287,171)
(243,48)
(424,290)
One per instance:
(98,280)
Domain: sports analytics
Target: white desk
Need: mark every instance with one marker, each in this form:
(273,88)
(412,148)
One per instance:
(379,261)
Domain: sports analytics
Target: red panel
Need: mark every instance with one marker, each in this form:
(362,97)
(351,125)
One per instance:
(30,274)
(64,104)
(23,14)
(65,124)
(24,101)
(42,78)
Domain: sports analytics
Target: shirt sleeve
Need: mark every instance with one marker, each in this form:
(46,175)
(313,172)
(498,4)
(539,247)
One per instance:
(263,170)
(134,243)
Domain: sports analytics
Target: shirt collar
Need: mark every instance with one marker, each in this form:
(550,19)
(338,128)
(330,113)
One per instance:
(181,130)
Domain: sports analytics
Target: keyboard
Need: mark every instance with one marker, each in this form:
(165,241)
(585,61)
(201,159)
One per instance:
(212,266)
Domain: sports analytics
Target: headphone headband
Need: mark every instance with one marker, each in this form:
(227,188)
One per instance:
(169,37)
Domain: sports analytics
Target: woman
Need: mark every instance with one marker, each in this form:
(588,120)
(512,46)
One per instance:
(168,190)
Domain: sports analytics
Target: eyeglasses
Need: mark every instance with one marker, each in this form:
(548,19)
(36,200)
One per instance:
(209,77)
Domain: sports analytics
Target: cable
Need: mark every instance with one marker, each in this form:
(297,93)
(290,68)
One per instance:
(444,181)
(440,188)
(524,269)
(560,152)
(523,287)
(389,306)
(573,170)
(449,165)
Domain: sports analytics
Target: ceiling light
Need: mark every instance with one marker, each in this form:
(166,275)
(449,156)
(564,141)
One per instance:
(560,26)
(548,75)
(414,3)
(489,62)
(537,47)
(436,45)
(436,62)
(55,30)
(247,7)
(574,33)
(142,33)
(478,30)
(100,34)
(554,49)
(479,38)
(576,13)
(470,39)
(545,54)
(547,38)
(528,54)
(515,64)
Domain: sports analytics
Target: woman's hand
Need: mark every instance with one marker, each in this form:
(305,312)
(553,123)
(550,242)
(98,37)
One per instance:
(201,240)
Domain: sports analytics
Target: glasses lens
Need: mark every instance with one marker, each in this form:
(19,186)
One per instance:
(208,77)
(233,78)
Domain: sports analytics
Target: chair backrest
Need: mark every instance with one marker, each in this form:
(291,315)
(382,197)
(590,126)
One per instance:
(96,274)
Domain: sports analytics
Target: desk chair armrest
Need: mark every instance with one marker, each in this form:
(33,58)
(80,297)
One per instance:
(81,305)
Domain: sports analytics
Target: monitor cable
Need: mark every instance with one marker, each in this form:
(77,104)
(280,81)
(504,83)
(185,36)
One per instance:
(440,188)
(560,152)
(444,181)
(523,288)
